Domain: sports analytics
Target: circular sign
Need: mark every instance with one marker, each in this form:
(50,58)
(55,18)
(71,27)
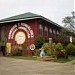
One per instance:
(32,46)
(20,37)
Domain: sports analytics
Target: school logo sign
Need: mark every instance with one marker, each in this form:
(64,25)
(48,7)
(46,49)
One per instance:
(20,32)
(20,37)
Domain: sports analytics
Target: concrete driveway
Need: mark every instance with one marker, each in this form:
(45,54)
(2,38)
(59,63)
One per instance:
(11,66)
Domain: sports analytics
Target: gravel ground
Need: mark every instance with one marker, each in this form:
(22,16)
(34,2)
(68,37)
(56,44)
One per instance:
(11,66)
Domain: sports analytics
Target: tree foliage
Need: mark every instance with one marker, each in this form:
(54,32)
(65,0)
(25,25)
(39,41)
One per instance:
(64,32)
(39,42)
(69,23)
(46,46)
(58,47)
(69,27)
(70,49)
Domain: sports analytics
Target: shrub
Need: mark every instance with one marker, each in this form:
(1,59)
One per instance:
(17,51)
(46,46)
(73,51)
(58,47)
(59,50)
(70,49)
(73,42)
(66,43)
(39,42)
(47,49)
(23,46)
(37,52)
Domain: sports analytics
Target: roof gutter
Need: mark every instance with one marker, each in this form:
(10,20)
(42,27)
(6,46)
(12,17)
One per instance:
(19,20)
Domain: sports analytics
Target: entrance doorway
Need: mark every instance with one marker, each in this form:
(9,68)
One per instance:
(3,39)
(3,50)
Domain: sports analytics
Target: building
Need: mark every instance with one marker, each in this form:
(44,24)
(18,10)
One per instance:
(24,28)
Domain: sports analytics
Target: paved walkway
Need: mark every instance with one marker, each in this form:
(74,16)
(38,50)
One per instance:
(11,66)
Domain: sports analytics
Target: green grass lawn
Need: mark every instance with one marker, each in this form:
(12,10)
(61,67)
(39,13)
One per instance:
(63,60)
(24,57)
(60,60)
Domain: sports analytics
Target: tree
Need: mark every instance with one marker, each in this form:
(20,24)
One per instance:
(64,32)
(69,23)
(39,42)
(69,27)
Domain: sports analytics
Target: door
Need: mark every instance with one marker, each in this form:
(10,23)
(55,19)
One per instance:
(3,39)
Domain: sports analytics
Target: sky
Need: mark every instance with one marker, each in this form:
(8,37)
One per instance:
(54,10)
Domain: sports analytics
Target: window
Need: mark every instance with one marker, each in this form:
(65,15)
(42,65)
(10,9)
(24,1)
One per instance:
(40,30)
(46,31)
(50,30)
(54,31)
(57,32)
(40,26)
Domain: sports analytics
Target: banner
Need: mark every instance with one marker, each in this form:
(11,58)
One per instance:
(8,47)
